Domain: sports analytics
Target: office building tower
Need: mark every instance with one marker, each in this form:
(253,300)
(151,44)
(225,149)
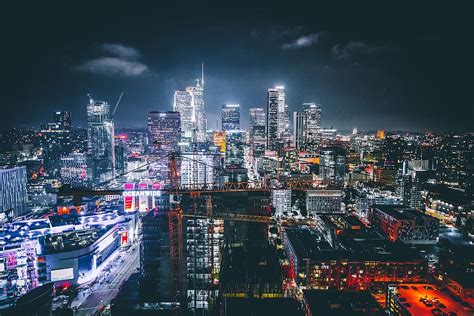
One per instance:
(324,201)
(409,190)
(190,104)
(257,131)
(234,157)
(13,193)
(256,118)
(230,117)
(299,130)
(332,167)
(56,142)
(313,122)
(281,201)
(275,115)
(164,130)
(100,135)
(307,126)
(74,170)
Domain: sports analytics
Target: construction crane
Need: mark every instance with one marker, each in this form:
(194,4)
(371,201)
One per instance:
(117,104)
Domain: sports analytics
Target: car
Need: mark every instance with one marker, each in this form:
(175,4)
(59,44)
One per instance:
(436,311)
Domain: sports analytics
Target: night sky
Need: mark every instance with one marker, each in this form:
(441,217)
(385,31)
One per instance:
(400,66)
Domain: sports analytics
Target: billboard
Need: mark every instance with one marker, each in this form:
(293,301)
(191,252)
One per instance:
(62,274)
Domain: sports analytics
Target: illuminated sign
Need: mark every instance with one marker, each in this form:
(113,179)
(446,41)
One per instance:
(62,274)
(135,193)
(124,239)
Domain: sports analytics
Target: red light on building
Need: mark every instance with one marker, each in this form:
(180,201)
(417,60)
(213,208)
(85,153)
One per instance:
(124,239)
(129,186)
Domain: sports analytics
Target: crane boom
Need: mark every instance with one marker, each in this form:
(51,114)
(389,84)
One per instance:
(117,104)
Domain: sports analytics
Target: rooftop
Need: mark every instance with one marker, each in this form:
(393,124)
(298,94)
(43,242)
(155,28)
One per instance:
(422,299)
(335,303)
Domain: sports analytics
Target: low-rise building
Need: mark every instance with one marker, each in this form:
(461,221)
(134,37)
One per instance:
(405,224)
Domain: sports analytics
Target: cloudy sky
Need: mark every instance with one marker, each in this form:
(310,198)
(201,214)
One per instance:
(408,65)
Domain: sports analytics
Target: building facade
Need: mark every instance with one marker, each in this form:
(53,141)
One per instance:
(100,135)
(230,117)
(13,192)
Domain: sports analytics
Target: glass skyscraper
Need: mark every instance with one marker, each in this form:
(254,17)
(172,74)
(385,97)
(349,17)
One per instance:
(13,193)
(275,115)
(190,104)
(164,130)
(100,134)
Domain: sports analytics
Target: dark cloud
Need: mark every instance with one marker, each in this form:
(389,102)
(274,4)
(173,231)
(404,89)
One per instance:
(354,49)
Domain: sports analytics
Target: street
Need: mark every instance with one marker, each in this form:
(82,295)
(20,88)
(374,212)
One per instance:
(89,301)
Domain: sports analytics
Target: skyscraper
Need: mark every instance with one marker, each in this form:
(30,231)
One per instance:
(100,134)
(332,165)
(164,130)
(230,117)
(190,104)
(313,122)
(13,194)
(256,118)
(275,115)
(307,126)
(56,141)
(257,131)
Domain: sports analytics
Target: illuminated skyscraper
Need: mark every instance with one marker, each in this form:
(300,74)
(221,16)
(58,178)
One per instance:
(190,104)
(307,126)
(164,130)
(13,194)
(332,167)
(230,117)
(257,131)
(256,118)
(275,115)
(100,134)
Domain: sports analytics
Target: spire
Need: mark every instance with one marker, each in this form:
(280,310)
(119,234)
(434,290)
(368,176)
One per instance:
(202,76)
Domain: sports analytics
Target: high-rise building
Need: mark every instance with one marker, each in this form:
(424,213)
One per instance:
(234,156)
(204,240)
(281,201)
(164,130)
(332,167)
(74,170)
(299,130)
(257,131)
(256,118)
(307,126)
(56,140)
(200,168)
(275,115)
(230,117)
(313,122)
(13,193)
(190,104)
(100,134)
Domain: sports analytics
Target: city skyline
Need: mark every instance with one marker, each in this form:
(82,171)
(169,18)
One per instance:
(399,76)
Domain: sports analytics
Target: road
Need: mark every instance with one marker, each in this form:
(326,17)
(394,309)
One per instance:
(102,293)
